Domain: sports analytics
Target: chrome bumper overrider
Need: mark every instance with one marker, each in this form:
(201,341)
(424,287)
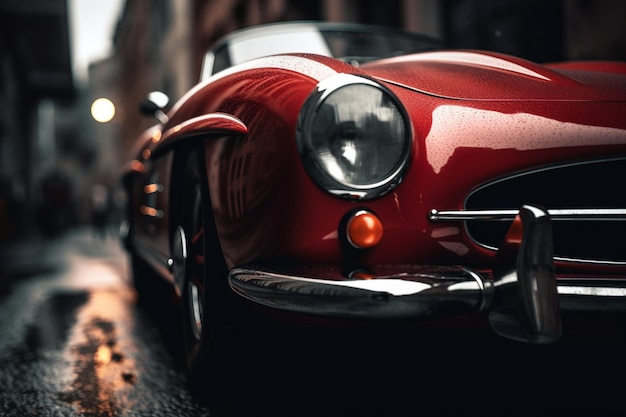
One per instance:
(522,296)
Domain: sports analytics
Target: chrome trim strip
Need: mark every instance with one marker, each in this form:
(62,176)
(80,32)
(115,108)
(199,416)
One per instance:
(541,170)
(556,214)
(572,260)
(593,291)
(594,295)
(486,287)
(508,215)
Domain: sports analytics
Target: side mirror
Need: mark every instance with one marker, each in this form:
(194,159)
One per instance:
(154,105)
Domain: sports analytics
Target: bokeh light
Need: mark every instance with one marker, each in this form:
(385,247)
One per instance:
(102,110)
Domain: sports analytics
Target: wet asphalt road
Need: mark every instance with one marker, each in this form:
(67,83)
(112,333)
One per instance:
(74,343)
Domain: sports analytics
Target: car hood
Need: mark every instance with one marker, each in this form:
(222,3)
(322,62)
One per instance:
(477,75)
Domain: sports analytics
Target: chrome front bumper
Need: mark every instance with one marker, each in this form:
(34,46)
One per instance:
(394,292)
(522,296)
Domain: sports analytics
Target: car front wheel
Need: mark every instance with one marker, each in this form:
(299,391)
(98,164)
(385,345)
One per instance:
(204,283)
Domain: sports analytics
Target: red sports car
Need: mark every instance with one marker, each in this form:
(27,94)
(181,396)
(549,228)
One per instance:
(355,173)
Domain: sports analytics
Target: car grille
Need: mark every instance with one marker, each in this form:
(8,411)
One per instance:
(590,185)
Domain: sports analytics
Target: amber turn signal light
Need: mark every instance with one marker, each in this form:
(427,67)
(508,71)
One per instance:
(364,229)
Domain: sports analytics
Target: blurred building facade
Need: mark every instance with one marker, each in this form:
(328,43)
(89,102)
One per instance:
(159,45)
(36,88)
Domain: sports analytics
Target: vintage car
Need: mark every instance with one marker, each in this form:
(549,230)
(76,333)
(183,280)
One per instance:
(355,173)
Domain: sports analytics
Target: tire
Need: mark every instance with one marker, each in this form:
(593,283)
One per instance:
(205,288)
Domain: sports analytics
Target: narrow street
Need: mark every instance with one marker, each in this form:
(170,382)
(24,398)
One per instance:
(73,341)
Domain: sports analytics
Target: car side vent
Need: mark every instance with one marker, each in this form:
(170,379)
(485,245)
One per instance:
(589,185)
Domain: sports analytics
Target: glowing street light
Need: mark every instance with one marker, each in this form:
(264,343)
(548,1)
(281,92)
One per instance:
(102,110)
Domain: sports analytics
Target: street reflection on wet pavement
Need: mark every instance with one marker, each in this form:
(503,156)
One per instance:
(73,341)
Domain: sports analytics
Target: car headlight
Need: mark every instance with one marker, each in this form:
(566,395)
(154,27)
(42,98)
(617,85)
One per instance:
(354,137)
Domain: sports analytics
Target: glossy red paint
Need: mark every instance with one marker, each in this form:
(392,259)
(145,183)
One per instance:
(475,118)
(225,204)
(480,75)
(465,133)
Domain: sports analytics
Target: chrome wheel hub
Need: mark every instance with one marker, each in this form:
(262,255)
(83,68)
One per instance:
(178,264)
(195,310)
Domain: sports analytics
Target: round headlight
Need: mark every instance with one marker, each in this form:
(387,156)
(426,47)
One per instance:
(354,137)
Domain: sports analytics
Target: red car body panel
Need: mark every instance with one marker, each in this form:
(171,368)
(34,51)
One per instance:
(475,118)
(266,206)
(474,75)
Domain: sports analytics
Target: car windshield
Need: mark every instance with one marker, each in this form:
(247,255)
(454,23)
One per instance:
(354,44)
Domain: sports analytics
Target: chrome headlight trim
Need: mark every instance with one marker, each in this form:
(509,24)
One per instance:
(364,151)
